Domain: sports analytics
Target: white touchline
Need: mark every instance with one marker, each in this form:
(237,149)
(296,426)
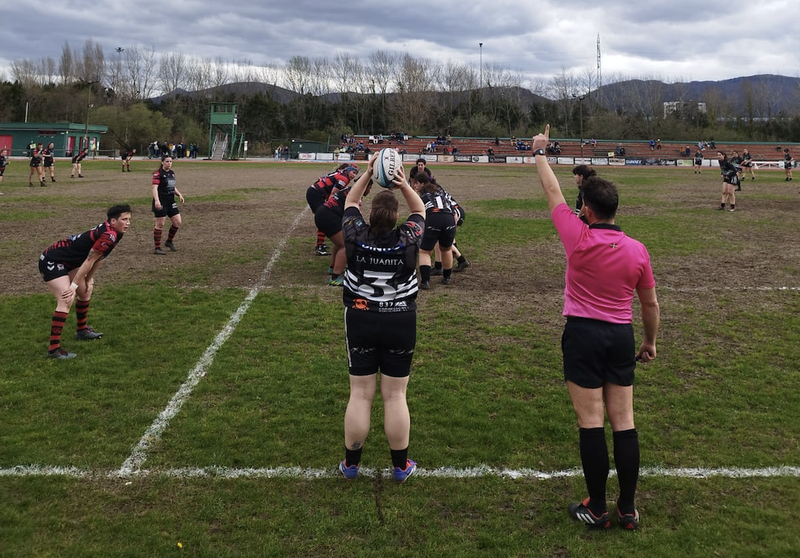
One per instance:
(154,432)
(477,472)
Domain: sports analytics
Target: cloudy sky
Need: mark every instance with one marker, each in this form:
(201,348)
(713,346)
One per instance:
(672,41)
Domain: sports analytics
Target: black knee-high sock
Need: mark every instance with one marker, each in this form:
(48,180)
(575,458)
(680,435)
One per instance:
(352,457)
(626,460)
(594,457)
(425,272)
(399,458)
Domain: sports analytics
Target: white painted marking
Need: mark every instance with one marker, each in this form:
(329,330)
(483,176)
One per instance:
(722,288)
(153,434)
(481,471)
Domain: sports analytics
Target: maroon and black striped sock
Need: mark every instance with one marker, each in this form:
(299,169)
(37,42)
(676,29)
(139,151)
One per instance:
(56,327)
(157,237)
(81,310)
(320,238)
(173,230)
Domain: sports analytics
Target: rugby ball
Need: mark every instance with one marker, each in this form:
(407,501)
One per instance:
(387,161)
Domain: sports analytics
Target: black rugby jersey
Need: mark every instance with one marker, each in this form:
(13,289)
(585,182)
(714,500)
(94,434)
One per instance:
(335,202)
(73,250)
(36,158)
(727,169)
(438,201)
(381,273)
(166,183)
(48,155)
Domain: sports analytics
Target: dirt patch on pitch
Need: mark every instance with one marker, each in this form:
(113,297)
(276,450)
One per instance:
(237,216)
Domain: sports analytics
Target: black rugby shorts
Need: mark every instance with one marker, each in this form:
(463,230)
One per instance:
(596,352)
(378,341)
(328,221)
(168,208)
(439,227)
(50,270)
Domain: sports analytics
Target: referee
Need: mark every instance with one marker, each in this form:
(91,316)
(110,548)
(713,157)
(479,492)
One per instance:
(604,268)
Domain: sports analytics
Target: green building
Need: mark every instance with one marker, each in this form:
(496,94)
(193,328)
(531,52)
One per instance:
(69,138)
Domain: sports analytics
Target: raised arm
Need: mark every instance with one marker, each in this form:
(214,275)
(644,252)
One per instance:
(413,200)
(357,191)
(547,177)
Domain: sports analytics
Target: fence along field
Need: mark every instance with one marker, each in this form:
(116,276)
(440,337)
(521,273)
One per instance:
(254,355)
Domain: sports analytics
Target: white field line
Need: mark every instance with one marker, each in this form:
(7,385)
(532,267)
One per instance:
(483,471)
(153,434)
(723,288)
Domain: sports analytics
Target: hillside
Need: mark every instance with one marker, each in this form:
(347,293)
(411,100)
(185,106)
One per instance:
(766,95)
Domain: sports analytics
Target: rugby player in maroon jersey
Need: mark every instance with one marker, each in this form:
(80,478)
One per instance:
(328,219)
(68,268)
(126,160)
(76,163)
(164,205)
(322,189)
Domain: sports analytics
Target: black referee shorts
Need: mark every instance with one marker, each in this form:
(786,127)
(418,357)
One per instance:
(380,341)
(596,352)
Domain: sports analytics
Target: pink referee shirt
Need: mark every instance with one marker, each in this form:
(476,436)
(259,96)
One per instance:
(604,268)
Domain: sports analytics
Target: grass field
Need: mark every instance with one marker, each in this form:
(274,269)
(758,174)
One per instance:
(211,413)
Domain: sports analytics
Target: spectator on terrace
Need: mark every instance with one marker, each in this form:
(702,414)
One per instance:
(658,144)
(652,144)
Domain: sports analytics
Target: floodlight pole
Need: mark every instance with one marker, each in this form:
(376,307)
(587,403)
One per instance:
(480,82)
(580,115)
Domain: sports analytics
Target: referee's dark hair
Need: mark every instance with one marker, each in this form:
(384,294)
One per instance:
(601,195)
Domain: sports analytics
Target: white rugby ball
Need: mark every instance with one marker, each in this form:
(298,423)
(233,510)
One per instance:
(387,161)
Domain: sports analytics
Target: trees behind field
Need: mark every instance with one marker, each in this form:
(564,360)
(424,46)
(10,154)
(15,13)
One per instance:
(143,95)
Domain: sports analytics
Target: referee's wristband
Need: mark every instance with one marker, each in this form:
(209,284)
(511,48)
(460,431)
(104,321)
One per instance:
(538,152)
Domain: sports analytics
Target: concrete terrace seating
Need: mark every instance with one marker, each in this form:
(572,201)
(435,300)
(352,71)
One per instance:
(572,148)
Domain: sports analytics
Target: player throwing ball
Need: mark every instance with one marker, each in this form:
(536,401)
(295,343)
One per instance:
(380,291)
(68,268)
(604,269)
